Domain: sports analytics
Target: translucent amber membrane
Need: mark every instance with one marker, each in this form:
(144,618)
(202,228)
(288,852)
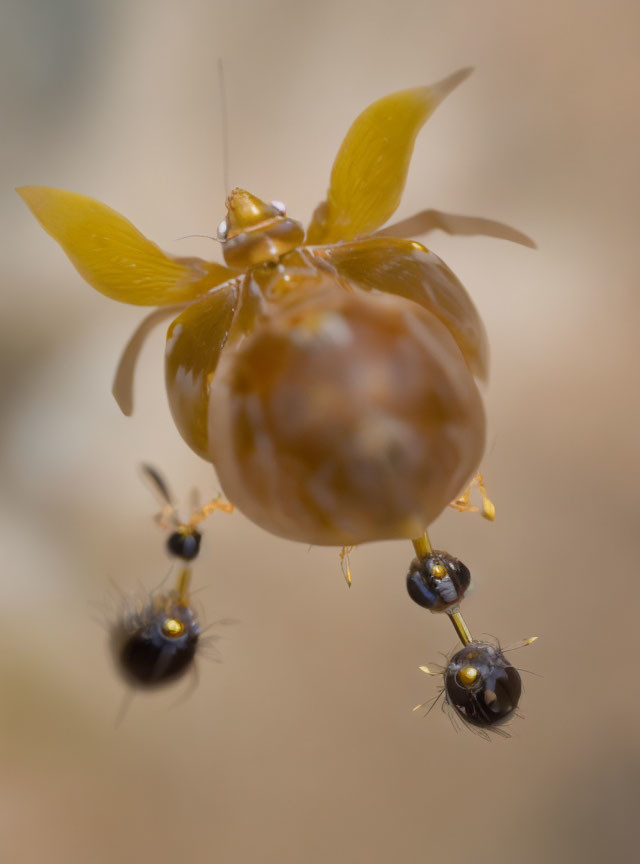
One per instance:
(347,418)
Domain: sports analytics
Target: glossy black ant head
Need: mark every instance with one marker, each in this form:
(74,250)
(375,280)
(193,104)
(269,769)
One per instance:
(437,581)
(481,685)
(184,543)
(158,644)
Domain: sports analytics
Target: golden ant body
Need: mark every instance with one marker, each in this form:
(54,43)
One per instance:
(328,374)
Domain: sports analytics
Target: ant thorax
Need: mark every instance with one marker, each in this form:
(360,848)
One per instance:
(255,232)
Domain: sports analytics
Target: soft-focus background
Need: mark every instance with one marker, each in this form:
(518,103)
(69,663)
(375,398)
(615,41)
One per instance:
(300,746)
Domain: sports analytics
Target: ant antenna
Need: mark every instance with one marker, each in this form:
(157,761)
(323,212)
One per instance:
(225,127)
(188,236)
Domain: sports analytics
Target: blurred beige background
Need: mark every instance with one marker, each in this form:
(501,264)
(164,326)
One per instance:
(300,746)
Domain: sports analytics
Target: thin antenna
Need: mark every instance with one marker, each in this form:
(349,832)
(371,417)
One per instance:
(188,236)
(225,128)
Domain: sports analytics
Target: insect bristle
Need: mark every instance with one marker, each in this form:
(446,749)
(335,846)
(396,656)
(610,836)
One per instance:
(481,688)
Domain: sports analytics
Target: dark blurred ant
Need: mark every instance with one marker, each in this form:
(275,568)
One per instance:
(156,642)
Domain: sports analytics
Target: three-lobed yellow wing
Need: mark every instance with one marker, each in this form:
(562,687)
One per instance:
(370,170)
(113,256)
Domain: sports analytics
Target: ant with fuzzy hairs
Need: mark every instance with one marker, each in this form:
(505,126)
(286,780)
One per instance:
(156,643)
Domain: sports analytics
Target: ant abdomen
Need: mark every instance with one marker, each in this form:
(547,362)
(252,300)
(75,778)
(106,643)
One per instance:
(481,685)
(157,644)
(355,412)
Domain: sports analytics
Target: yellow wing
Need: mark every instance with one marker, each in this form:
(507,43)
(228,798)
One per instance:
(113,256)
(456,225)
(122,388)
(195,341)
(407,268)
(371,167)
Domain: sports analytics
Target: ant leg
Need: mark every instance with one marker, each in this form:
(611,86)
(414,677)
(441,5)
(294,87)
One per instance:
(210,507)
(165,517)
(345,563)
(456,225)
(463,502)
